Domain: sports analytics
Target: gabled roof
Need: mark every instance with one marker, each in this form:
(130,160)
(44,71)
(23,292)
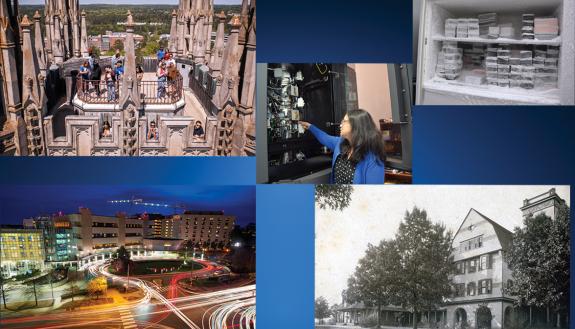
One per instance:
(503,234)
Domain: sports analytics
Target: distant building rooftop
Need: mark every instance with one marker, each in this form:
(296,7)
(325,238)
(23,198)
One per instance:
(198,212)
(11,226)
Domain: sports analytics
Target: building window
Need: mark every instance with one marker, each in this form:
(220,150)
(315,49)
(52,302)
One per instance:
(472,265)
(485,262)
(460,268)
(459,289)
(485,286)
(471,289)
(474,243)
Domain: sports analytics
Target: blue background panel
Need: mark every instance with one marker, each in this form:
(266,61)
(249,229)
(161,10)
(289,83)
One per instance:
(129,170)
(367,31)
(493,145)
(285,256)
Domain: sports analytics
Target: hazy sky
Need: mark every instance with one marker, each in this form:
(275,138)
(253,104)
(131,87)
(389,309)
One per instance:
(376,211)
(131,2)
(24,201)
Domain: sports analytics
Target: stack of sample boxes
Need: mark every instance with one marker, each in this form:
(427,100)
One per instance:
(527,69)
(485,21)
(450,26)
(449,61)
(503,67)
(528,25)
(462,28)
(545,64)
(491,65)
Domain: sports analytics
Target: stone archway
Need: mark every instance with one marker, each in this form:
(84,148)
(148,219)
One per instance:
(483,317)
(460,321)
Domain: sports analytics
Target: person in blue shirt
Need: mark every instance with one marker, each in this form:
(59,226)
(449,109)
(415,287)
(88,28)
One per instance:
(160,54)
(358,153)
(85,75)
(119,71)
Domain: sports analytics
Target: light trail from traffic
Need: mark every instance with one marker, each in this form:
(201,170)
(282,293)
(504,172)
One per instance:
(219,317)
(176,305)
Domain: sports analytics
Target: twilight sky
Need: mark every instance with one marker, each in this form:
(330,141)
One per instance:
(131,2)
(375,212)
(22,201)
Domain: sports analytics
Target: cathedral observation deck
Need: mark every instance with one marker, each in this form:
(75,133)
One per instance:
(150,91)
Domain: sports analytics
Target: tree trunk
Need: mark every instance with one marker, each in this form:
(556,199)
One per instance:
(379,315)
(414,319)
(558,320)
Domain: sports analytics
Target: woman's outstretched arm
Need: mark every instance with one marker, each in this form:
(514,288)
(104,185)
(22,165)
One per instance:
(325,139)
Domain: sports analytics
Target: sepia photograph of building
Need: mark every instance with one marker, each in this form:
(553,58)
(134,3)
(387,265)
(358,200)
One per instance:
(200,103)
(442,257)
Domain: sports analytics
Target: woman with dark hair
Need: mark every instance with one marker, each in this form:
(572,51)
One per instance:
(358,153)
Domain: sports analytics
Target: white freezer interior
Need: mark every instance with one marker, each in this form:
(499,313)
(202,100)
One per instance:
(434,90)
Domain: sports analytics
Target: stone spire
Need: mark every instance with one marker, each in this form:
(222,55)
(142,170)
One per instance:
(129,95)
(31,67)
(48,30)
(65,22)
(192,28)
(11,88)
(57,42)
(249,76)
(181,33)
(32,92)
(173,31)
(200,46)
(39,44)
(74,21)
(230,65)
(205,32)
(129,61)
(218,51)
(245,21)
(84,37)
(8,48)
(75,35)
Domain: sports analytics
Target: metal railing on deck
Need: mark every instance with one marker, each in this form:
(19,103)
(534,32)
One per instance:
(151,92)
(203,95)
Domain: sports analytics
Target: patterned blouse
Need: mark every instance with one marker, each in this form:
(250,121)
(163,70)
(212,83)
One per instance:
(344,170)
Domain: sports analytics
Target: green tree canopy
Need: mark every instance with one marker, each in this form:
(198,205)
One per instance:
(374,281)
(335,197)
(412,270)
(322,310)
(425,262)
(540,259)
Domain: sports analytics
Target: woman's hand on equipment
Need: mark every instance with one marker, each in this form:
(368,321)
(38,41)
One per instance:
(304,124)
